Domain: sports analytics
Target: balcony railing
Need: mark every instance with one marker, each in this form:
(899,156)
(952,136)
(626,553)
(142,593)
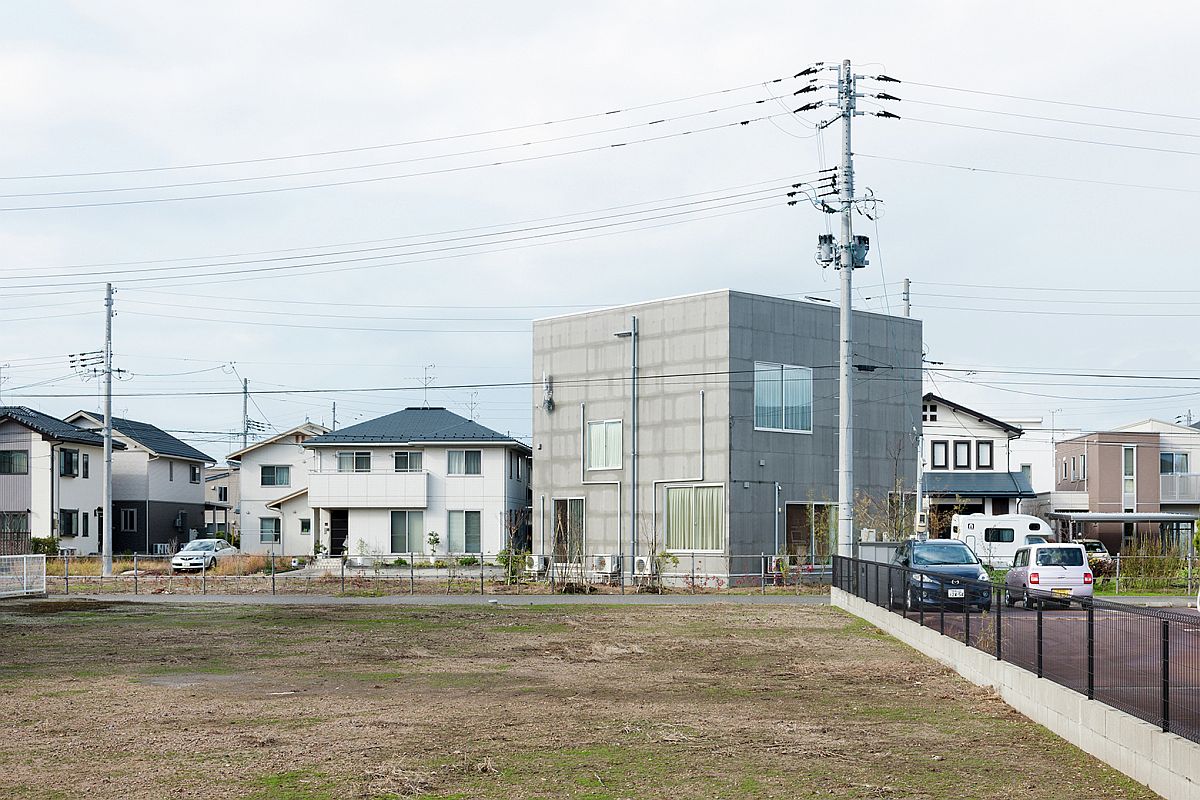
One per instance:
(1183,488)
(380,489)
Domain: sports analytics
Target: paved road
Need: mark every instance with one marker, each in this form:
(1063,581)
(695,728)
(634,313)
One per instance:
(1127,654)
(456,600)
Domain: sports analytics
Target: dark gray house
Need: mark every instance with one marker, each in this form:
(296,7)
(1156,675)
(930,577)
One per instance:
(158,486)
(730,450)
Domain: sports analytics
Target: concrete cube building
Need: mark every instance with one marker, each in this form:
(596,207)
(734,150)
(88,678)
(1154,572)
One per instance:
(730,451)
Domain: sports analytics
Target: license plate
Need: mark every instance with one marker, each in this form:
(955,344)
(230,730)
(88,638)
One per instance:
(956,593)
(1062,592)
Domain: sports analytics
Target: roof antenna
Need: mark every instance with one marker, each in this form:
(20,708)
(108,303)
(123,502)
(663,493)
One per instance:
(428,379)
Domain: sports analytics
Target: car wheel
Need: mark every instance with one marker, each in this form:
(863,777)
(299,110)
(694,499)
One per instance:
(1009,600)
(910,600)
(1030,602)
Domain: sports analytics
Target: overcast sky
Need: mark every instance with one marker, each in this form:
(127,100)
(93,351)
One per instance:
(114,87)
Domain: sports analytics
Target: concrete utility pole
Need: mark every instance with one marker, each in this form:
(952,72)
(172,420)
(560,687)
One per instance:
(245,413)
(106,525)
(907,297)
(846,103)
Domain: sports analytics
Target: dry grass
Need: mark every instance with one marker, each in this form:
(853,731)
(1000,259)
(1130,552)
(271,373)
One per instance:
(324,703)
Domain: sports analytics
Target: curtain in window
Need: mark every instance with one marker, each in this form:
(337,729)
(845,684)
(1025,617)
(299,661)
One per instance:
(797,399)
(345,462)
(680,526)
(456,462)
(710,517)
(456,532)
(474,462)
(768,396)
(596,445)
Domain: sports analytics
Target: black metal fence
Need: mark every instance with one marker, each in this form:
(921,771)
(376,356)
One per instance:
(1143,661)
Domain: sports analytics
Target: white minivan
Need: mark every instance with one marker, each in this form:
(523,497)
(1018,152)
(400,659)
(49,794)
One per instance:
(995,538)
(1045,572)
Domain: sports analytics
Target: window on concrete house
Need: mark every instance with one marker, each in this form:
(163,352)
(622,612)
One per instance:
(170,470)
(695,518)
(14,522)
(354,462)
(84,522)
(194,473)
(962,455)
(408,531)
(68,522)
(14,462)
(464,529)
(68,463)
(84,465)
(782,397)
(603,444)
(939,455)
(305,526)
(408,461)
(276,475)
(1074,470)
(983,454)
(929,412)
(568,538)
(128,520)
(222,494)
(269,530)
(1083,467)
(464,462)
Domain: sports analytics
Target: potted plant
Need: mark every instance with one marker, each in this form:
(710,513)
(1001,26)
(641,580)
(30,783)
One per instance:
(433,540)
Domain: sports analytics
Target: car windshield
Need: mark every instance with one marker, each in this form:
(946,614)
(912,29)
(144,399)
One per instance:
(1095,547)
(199,546)
(933,554)
(1060,557)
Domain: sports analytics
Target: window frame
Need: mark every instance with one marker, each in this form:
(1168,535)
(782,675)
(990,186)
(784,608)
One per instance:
(966,443)
(723,533)
(277,533)
(68,514)
(194,473)
(765,367)
(408,457)
(222,494)
(944,446)
(982,445)
(449,534)
(608,462)
(68,462)
(126,513)
(466,462)
(8,520)
(408,532)
(9,460)
(355,458)
(262,474)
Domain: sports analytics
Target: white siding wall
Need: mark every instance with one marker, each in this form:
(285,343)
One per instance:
(952,426)
(255,496)
(84,494)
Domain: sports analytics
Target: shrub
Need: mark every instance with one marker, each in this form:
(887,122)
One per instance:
(44,545)
(468,561)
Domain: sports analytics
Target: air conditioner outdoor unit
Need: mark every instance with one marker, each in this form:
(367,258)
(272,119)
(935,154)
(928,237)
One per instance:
(536,564)
(643,565)
(604,564)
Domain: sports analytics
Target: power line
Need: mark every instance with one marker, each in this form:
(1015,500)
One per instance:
(1072,139)
(1054,119)
(430,140)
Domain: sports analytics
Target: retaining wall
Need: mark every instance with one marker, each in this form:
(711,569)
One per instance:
(1168,764)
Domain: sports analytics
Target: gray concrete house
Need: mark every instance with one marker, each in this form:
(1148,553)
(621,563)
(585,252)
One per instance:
(730,451)
(158,486)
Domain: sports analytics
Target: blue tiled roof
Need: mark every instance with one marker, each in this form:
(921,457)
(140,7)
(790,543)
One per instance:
(977,484)
(52,427)
(413,425)
(154,439)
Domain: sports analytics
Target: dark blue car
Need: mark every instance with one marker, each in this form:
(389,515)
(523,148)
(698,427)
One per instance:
(944,572)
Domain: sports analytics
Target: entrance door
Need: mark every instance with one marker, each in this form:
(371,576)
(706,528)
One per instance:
(339,531)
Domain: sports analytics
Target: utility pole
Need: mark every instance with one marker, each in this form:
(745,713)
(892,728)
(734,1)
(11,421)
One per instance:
(6,366)
(334,425)
(106,542)
(245,413)
(425,381)
(907,297)
(849,254)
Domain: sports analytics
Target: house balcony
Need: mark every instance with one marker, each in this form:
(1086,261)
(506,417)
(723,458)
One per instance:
(1183,488)
(332,489)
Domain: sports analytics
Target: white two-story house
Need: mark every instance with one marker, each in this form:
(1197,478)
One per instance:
(51,481)
(158,486)
(967,465)
(393,484)
(272,471)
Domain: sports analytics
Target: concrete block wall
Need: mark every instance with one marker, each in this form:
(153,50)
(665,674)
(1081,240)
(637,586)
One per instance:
(1166,763)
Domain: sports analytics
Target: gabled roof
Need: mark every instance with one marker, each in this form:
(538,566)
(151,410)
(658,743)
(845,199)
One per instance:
(279,501)
(1155,426)
(415,426)
(52,427)
(156,440)
(930,397)
(307,429)
(977,484)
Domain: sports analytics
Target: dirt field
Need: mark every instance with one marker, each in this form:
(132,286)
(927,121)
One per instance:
(596,702)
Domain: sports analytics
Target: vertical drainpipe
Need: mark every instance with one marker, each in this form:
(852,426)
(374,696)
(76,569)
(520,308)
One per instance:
(633,455)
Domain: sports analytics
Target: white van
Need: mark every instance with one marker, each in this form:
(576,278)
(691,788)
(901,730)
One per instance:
(996,539)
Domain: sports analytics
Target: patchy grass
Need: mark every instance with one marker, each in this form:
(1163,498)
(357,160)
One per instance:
(377,702)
